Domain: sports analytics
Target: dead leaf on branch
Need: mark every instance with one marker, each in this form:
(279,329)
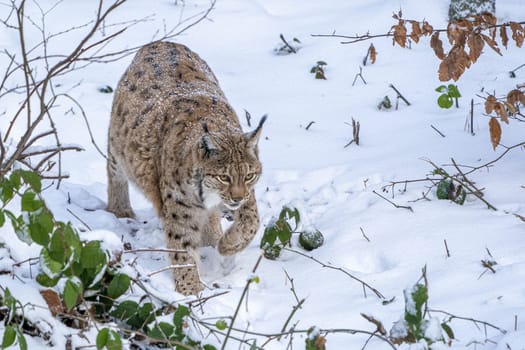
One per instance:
(427,28)
(416,31)
(454,64)
(475,45)
(437,45)
(515,96)
(457,32)
(372,53)
(518,33)
(489,18)
(492,43)
(400,33)
(504,36)
(495,132)
(501,111)
(490,104)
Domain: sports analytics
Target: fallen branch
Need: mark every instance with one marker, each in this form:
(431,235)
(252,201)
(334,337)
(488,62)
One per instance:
(363,283)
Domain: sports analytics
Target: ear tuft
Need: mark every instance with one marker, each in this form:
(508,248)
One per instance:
(252,137)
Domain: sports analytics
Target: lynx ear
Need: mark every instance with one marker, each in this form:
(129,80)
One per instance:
(252,137)
(206,144)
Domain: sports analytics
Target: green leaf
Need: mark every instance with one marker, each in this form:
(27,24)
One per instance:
(209,347)
(2,218)
(40,227)
(9,337)
(443,189)
(269,236)
(118,285)
(92,255)
(125,310)
(102,338)
(6,191)
(221,325)
(22,343)
(15,179)
(162,330)
(30,202)
(453,91)
(46,281)
(32,179)
(72,291)
(49,266)
(448,330)
(114,342)
(284,234)
(442,89)
(445,101)
(178,317)
(288,214)
(321,63)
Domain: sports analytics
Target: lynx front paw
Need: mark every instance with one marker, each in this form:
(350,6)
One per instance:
(228,246)
(122,212)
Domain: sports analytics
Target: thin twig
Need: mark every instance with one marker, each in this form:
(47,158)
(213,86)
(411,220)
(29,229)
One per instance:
(446,248)
(309,125)
(79,219)
(399,94)
(468,185)
(287,45)
(394,204)
(439,132)
(249,281)
(363,283)
(452,316)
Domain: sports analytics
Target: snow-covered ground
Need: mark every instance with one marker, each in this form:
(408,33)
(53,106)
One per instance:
(332,186)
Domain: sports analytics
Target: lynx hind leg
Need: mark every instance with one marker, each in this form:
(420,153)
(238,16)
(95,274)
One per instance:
(182,229)
(212,231)
(118,191)
(244,228)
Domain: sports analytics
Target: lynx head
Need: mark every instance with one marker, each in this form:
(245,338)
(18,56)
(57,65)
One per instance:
(230,166)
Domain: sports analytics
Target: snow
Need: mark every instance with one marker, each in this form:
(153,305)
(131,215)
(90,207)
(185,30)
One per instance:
(332,186)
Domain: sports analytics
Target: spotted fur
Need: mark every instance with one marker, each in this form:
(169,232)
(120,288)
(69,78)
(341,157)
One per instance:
(175,136)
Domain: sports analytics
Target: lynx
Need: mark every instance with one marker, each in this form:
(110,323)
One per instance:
(175,136)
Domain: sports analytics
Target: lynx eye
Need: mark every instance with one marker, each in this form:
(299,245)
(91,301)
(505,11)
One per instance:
(223,178)
(250,177)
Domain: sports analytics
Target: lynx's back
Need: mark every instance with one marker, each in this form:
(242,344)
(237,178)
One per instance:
(175,136)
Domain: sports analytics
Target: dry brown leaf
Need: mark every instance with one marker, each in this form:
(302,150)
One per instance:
(489,18)
(437,45)
(490,104)
(400,33)
(475,45)
(492,43)
(320,342)
(454,64)
(427,28)
(502,112)
(511,108)
(372,53)
(416,31)
(514,96)
(53,301)
(517,33)
(495,132)
(457,31)
(504,36)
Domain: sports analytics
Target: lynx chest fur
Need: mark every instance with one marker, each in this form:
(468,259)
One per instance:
(174,135)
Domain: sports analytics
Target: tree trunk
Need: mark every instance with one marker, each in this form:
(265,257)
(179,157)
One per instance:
(464,8)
